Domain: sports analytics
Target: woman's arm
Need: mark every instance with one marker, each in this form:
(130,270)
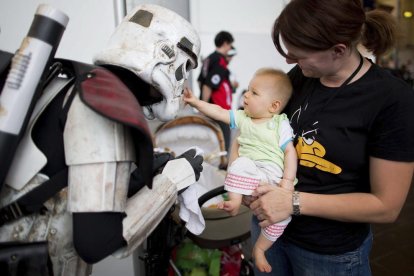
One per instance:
(390,182)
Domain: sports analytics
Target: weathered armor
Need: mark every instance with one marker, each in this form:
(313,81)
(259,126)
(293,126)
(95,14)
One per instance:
(104,138)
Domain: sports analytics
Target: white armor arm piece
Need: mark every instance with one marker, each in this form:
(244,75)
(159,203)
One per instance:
(99,153)
(148,207)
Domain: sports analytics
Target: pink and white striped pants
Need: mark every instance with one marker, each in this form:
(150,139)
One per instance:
(245,175)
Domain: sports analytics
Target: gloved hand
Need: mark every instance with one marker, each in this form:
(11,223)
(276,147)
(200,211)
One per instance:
(195,161)
(136,181)
(159,161)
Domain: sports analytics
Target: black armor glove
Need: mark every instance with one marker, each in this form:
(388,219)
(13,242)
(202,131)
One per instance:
(158,162)
(195,161)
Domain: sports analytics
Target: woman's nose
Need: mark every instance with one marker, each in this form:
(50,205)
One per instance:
(291,61)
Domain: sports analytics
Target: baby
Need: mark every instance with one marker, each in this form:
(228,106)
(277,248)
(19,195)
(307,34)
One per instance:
(265,149)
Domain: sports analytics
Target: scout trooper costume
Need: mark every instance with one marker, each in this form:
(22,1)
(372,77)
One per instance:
(103,137)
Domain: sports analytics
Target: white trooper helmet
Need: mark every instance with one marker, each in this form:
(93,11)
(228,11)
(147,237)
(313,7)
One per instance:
(160,47)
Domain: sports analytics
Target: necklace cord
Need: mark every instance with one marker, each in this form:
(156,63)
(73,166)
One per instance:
(346,82)
(361,62)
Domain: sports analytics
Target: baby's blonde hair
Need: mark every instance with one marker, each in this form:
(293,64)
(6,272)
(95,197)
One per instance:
(281,83)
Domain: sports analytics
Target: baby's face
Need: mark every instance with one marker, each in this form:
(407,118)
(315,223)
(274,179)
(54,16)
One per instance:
(258,99)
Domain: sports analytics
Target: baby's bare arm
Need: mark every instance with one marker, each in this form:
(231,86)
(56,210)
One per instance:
(213,111)
(290,164)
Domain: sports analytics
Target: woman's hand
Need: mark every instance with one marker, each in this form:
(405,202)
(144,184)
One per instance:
(247,200)
(273,204)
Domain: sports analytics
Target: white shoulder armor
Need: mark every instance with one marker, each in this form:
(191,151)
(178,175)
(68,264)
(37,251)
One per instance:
(92,138)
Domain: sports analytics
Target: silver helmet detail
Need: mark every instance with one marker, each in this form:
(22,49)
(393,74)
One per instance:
(160,47)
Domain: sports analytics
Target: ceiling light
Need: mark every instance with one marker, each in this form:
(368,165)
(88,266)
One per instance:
(408,14)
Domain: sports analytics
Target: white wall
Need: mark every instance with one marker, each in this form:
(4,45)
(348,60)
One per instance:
(90,24)
(250,23)
(179,6)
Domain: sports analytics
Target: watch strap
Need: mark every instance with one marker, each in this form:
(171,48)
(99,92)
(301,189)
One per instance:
(296,203)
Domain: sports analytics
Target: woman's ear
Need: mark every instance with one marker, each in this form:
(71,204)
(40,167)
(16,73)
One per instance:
(274,108)
(339,50)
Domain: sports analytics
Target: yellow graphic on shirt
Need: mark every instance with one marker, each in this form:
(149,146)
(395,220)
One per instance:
(310,154)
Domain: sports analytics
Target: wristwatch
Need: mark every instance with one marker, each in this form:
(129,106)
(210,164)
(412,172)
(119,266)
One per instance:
(296,203)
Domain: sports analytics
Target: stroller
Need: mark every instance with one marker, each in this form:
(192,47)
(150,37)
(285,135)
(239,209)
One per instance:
(177,136)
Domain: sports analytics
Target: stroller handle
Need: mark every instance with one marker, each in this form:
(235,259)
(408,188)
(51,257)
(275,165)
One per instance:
(210,194)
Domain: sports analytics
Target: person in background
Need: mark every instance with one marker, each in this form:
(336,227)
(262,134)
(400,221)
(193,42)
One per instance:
(406,74)
(266,152)
(410,68)
(353,130)
(233,80)
(214,78)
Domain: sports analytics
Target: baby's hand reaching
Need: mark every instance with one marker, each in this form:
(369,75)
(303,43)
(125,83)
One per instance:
(189,96)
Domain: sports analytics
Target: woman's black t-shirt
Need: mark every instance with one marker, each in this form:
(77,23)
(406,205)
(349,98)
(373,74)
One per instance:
(336,131)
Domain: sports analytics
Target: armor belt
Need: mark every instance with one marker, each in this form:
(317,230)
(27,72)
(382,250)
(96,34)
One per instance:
(32,202)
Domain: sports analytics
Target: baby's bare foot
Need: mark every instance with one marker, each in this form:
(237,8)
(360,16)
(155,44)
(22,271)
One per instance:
(260,260)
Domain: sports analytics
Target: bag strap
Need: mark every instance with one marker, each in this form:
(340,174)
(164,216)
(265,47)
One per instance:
(5,60)
(33,201)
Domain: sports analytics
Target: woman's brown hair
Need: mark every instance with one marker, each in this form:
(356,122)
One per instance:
(318,25)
